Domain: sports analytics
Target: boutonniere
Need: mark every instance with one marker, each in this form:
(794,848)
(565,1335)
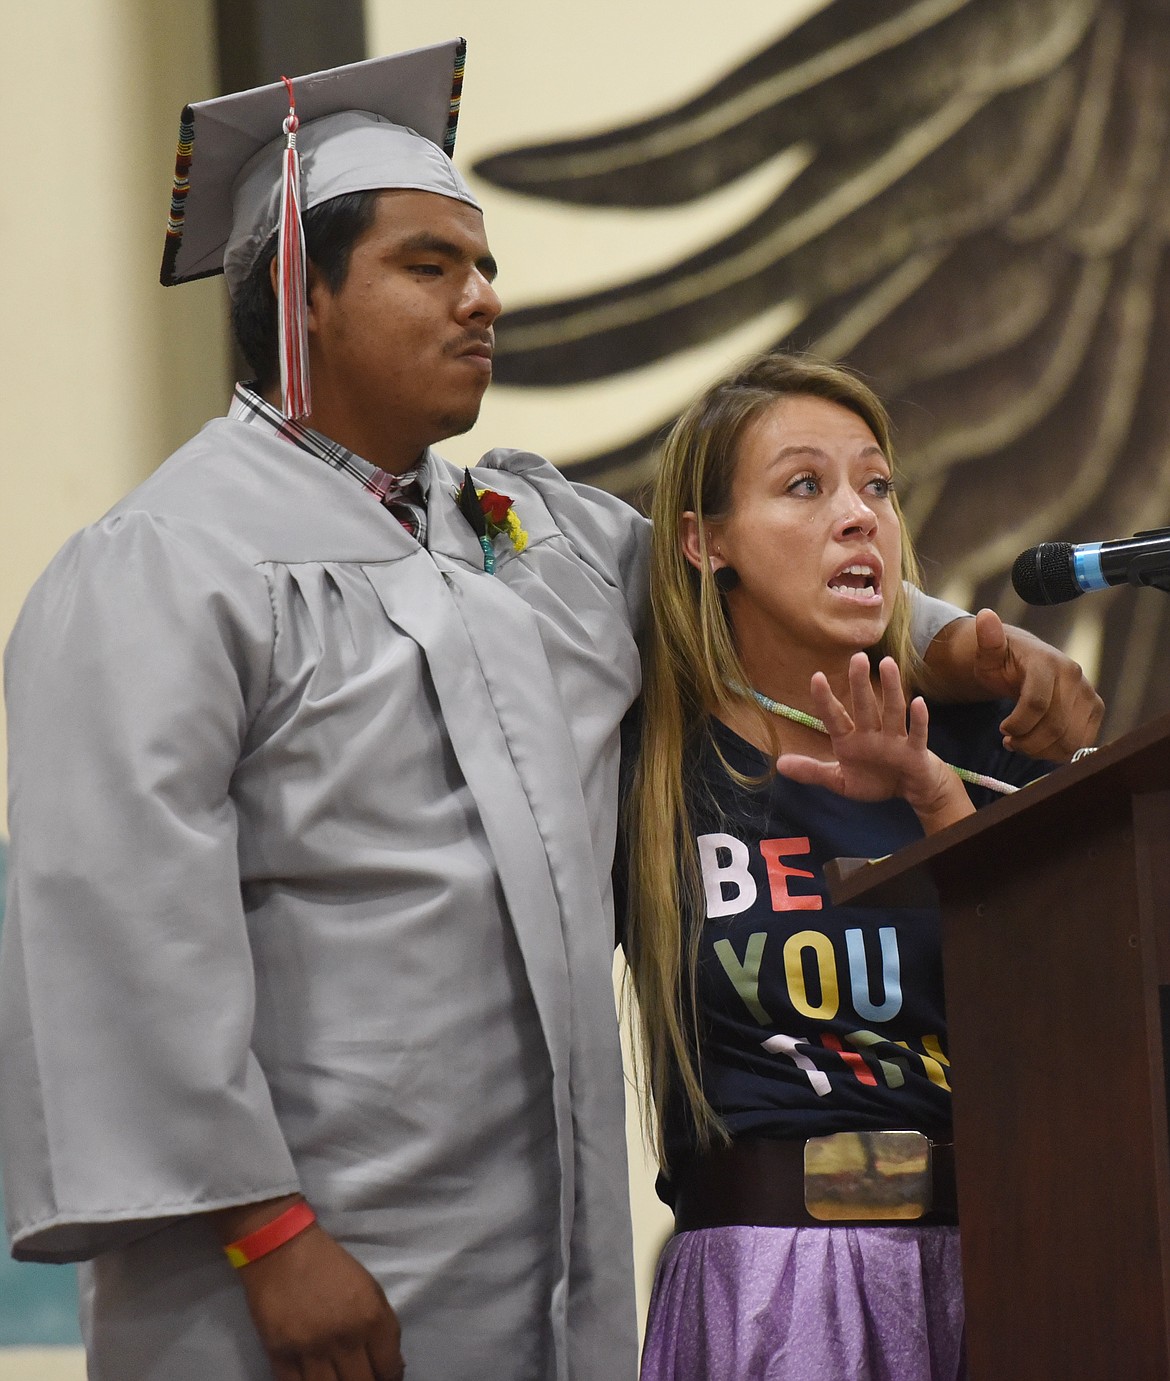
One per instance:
(489,515)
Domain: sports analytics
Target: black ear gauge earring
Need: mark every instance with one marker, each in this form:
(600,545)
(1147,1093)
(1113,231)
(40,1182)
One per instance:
(726,579)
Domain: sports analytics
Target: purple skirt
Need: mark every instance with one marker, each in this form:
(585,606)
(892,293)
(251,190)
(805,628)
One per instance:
(807,1304)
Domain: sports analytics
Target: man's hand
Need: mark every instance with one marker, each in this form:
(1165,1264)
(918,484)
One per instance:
(1057,711)
(320,1314)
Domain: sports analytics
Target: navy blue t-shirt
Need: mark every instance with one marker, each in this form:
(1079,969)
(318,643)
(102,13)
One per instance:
(816,1018)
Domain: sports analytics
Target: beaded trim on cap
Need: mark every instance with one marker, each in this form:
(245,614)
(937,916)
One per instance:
(456,97)
(179,190)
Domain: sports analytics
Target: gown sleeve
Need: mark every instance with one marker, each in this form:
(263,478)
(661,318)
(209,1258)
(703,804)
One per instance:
(605,532)
(928,616)
(128,1091)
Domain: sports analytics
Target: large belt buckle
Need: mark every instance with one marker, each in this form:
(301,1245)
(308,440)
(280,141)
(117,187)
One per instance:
(860,1176)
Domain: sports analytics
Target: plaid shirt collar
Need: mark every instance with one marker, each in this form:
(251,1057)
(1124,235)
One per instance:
(404,495)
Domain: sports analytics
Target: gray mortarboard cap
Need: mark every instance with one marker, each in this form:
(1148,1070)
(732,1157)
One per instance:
(387,123)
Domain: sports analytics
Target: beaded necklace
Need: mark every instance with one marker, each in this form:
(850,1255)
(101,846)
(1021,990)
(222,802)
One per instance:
(810,722)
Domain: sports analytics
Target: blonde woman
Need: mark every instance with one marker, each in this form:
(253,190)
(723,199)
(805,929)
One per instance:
(781,631)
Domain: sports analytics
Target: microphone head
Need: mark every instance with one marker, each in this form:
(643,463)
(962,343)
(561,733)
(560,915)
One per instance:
(1044,574)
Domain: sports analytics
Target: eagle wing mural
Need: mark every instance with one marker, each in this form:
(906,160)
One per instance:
(978,224)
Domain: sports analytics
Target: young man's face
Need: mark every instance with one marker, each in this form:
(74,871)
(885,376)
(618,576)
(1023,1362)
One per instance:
(400,354)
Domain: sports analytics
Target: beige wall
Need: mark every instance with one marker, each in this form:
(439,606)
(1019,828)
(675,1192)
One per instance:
(42,1364)
(103,370)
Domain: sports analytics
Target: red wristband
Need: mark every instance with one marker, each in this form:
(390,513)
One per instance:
(282,1229)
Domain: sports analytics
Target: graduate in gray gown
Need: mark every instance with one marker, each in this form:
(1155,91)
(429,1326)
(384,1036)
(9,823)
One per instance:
(314,755)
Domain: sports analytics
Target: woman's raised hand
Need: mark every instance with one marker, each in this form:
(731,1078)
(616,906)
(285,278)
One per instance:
(878,753)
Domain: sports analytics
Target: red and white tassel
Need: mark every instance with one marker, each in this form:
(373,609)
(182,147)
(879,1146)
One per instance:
(292,291)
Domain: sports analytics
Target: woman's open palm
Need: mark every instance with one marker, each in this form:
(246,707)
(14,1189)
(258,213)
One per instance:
(880,751)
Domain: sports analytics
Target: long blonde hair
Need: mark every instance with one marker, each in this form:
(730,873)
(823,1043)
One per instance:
(694,668)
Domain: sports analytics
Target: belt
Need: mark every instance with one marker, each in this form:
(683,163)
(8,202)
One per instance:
(757,1182)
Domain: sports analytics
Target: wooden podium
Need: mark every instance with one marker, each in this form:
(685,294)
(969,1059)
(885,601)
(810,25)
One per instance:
(1056,950)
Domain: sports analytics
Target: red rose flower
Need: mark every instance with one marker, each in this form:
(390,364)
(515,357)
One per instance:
(495,507)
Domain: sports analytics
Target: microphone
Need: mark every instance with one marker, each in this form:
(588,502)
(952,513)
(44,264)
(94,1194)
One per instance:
(1055,572)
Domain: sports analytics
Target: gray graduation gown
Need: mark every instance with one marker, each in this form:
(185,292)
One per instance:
(309,887)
